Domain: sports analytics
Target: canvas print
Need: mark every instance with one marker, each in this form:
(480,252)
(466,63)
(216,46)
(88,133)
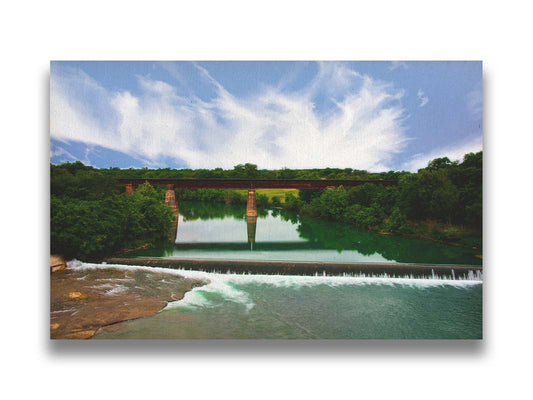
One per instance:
(266,200)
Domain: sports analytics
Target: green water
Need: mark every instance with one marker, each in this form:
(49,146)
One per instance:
(218,231)
(235,306)
(290,307)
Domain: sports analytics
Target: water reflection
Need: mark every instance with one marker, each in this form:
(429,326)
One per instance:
(218,231)
(251,227)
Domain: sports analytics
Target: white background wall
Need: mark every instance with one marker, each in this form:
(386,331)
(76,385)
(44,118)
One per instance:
(34,33)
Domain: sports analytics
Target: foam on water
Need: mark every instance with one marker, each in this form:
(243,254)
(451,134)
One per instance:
(116,290)
(227,285)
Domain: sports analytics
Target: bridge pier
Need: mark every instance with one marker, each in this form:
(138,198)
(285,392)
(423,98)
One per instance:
(251,206)
(172,202)
(129,188)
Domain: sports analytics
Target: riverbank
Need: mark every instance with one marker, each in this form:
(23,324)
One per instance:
(452,235)
(84,301)
(439,232)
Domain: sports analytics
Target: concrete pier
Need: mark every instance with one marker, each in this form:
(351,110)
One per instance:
(170,198)
(251,206)
(172,203)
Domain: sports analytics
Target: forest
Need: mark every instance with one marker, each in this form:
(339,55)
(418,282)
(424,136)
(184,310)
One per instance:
(91,218)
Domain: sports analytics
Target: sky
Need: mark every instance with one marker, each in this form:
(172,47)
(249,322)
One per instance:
(371,115)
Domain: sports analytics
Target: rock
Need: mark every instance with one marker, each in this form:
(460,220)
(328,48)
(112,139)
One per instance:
(82,302)
(57,263)
(76,295)
(80,334)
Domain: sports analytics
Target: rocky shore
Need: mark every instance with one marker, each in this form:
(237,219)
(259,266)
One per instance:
(82,301)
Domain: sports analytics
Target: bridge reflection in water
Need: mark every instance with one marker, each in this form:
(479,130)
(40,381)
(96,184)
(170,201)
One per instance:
(250,184)
(218,227)
(220,231)
(251,227)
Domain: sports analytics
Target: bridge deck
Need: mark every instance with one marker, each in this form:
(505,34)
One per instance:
(257,183)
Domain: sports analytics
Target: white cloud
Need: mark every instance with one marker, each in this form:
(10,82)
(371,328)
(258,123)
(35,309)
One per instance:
(474,102)
(452,152)
(397,64)
(272,128)
(422,97)
(57,151)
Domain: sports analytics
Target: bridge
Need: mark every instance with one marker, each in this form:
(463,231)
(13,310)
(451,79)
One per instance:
(255,183)
(250,184)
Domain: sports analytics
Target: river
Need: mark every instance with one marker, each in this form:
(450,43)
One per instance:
(307,307)
(218,231)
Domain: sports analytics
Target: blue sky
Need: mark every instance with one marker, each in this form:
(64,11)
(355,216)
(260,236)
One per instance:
(377,116)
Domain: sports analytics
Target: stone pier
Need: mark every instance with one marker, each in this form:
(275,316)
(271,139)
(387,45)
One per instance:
(172,202)
(251,206)
(129,188)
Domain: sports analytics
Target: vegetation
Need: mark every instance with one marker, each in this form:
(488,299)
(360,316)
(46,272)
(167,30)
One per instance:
(442,201)
(91,218)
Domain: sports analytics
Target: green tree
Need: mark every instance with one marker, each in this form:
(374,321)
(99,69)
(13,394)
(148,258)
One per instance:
(439,163)
(276,201)
(246,171)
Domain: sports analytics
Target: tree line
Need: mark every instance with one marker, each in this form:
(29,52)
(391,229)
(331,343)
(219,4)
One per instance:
(443,201)
(91,218)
